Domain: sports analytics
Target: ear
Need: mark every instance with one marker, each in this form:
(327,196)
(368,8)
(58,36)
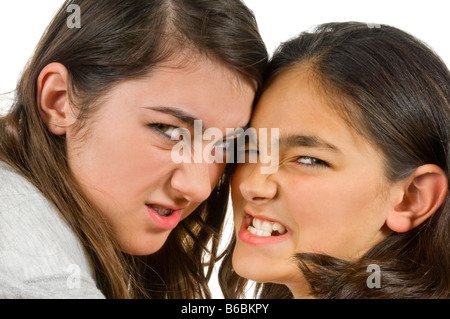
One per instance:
(52,98)
(422,195)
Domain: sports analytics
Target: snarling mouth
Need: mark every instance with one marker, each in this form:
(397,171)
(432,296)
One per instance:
(265,228)
(161,211)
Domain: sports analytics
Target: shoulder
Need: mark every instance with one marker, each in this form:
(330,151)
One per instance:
(39,253)
(12,183)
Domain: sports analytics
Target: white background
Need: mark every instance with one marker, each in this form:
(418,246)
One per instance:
(22,23)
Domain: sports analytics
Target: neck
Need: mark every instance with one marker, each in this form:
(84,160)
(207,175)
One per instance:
(301,290)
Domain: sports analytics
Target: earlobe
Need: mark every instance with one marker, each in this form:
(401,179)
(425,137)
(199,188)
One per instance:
(52,98)
(423,193)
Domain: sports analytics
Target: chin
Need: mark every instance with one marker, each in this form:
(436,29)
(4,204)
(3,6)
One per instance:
(264,269)
(146,245)
(250,267)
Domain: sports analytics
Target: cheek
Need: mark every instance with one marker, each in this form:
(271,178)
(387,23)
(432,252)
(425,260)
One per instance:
(117,165)
(236,195)
(215,171)
(330,199)
(334,218)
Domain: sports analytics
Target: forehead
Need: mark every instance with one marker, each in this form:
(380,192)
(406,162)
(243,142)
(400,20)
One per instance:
(205,89)
(291,98)
(295,102)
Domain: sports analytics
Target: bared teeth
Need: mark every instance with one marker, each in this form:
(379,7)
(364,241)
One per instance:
(264,228)
(279,228)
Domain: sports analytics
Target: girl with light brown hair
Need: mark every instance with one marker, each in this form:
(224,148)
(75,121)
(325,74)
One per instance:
(91,204)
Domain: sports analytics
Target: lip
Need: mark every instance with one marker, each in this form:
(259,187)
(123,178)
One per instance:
(165,222)
(249,238)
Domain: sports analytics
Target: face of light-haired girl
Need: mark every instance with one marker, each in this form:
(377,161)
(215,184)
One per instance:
(122,155)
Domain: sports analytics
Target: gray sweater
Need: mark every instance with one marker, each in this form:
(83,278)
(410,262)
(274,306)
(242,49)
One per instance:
(40,256)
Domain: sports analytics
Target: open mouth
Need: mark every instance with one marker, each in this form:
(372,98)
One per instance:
(264,228)
(163,216)
(161,211)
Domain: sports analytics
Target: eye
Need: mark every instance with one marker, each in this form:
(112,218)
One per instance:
(165,130)
(249,154)
(223,149)
(224,146)
(311,161)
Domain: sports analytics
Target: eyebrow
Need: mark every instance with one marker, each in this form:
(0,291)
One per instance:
(185,117)
(235,135)
(177,113)
(307,141)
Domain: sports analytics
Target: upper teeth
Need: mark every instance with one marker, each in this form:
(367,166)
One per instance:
(264,228)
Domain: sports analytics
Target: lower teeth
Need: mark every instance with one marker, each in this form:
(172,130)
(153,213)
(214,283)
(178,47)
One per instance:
(161,211)
(259,232)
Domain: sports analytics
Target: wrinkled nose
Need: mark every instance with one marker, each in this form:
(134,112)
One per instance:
(254,186)
(192,181)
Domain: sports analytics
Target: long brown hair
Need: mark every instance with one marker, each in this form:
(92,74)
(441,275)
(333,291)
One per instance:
(395,91)
(118,41)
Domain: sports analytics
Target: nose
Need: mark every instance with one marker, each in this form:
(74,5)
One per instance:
(254,186)
(192,181)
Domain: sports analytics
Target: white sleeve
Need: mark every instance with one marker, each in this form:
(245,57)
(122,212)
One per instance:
(40,256)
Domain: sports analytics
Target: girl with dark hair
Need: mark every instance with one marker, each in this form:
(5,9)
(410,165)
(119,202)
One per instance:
(359,206)
(91,204)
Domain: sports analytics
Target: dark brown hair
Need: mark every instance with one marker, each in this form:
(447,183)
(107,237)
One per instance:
(118,41)
(395,91)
